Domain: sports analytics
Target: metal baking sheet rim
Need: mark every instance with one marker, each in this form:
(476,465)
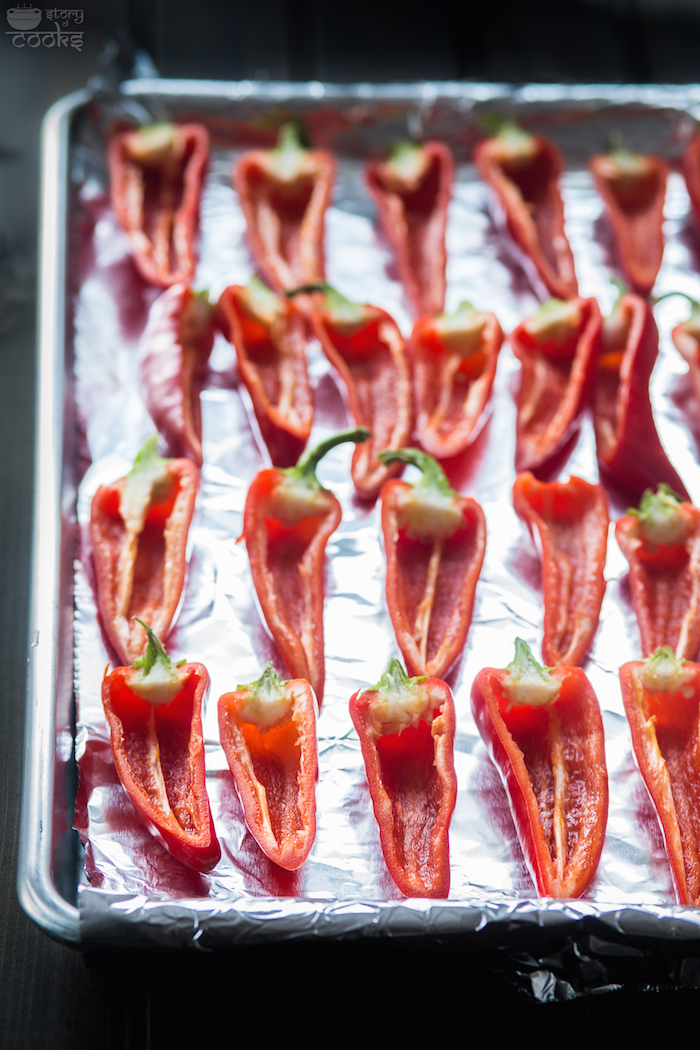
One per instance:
(120,921)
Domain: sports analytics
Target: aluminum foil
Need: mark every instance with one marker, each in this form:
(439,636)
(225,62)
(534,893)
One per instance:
(344,887)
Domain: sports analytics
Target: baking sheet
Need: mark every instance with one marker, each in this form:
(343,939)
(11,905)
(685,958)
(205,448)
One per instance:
(345,882)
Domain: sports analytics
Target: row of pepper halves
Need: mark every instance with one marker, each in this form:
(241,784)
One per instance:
(445,375)
(157,172)
(542,725)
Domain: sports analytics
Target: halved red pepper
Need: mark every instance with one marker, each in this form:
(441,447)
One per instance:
(661,541)
(284,194)
(269,335)
(268,733)
(175,349)
(544,732)
(365,346)
(434,541)
(454,358)
(571,520)
(154,712)
(138,532)
(558,349)
(406,728)
(627,442)
(287,522)
(633,188)
(524,172)
(156,178)
(662,703)
(412,192)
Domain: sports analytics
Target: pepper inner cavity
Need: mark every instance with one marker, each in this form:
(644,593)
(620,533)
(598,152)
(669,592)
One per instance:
(429,571)
(161,190)
(143,555)
(276,758)
(412,783)
(616,330)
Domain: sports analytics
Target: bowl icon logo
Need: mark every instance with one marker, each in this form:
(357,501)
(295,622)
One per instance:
(23,18)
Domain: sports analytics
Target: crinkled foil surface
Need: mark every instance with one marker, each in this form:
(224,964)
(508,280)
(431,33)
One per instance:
(131,883)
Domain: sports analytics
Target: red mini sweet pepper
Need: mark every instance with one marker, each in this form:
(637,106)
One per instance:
(268,733)
(628,445)
(138,532)
(524,172)
(543,730)
(406,728)
(454,358)
(558,349)
(156,176)
(661,541)
(284,194)
(633,188)
(434,541)
(154,712)
(175,349)
(662,703)
(287,522)
(269,334)
(366,348)
(412,193)
(571,520)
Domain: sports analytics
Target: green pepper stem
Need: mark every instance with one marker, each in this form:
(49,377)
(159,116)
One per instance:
(527,683)
(305,470)
(498,125)
(403,148)
(550,307)
(622,289)
(148,456)
(661,518)
(407,161)
(335,300)
(492,122)
(257,284)
(267,685)
(341,312)
(155,652)
(395,680)
(157,128)
(433,476)
(524,663)
(654,504)
(694,304)
(663,672)
(662,654)
(305,289)
(617,147)
(464,307)
(147,477)
(289,138)
(261,300)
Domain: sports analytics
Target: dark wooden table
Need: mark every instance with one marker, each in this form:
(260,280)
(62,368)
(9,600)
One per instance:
(51,995)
